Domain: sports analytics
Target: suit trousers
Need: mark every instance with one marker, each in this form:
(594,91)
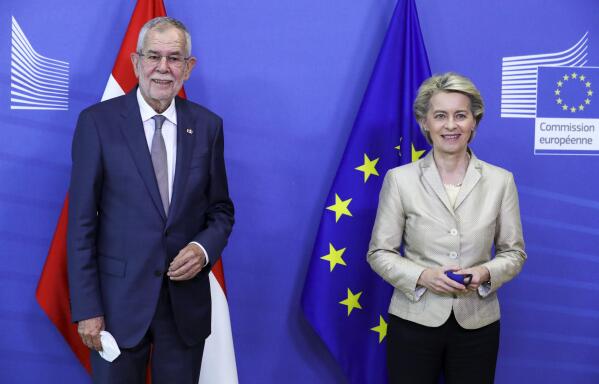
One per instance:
(417,354)
(171,360)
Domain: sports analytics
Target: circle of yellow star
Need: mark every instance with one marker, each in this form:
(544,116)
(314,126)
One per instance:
(381,329)
(352,301)
(558,93)
(334,257)
(369,167)
(340,207)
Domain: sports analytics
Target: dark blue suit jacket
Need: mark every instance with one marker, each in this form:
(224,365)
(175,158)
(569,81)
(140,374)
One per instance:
(120,242)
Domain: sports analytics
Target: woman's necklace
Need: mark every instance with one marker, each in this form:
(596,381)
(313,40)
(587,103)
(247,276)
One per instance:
(461,177)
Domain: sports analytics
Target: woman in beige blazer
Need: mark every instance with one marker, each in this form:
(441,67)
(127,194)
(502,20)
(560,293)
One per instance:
(446,212)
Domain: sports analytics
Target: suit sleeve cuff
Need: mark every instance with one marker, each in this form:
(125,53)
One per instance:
(204,250)
(410,286)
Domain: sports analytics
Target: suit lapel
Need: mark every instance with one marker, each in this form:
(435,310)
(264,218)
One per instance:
(185,141)
(433,179)
(473,175)
(133,131)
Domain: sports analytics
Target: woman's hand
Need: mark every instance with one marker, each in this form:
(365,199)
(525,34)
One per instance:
(437,281)
(480,275)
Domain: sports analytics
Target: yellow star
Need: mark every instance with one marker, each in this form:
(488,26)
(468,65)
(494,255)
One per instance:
(566,77)
(352,301)
(574,74)
(369,167)
(587,101)
(565,107)
(399,145)
(381,329)
(334,257)
(581,107)
(416,154)
(587,84)
(559,101)
(340,207)
(581,78)
(590,92)
(559,83)
(573,109)
(557,92)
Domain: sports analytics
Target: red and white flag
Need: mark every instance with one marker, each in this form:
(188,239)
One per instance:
(218,364)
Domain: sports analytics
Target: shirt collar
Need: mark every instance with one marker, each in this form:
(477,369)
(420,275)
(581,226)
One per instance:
(148,112)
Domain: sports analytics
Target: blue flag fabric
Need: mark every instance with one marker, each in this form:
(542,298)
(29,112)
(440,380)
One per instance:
(343,299)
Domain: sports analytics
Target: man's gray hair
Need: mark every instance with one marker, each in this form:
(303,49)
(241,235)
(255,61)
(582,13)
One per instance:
(161,23)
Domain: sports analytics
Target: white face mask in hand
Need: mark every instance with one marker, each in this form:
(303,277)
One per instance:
(110,349)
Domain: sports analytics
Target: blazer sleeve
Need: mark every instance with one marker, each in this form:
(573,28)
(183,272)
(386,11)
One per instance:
(220,212)
(509,242)
(84,198)
(384,254)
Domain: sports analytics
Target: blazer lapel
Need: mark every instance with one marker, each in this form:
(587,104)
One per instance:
(431,175)
(133,131)
(185,141)
(473,175)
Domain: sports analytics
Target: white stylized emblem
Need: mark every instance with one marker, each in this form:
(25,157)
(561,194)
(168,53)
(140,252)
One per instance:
(37,82)
(519,76)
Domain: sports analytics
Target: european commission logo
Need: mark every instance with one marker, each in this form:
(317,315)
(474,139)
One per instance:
(36,81)
(567,120)
(557,90)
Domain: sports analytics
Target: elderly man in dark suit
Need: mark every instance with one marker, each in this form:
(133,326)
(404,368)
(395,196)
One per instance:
(149,214)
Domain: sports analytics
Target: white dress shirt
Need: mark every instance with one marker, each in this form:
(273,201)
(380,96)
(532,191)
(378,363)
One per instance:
(169,133)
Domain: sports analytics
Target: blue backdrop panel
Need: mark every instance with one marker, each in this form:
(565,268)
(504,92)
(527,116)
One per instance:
(288,77)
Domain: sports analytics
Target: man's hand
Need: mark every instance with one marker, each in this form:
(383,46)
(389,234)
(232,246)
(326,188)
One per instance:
(187,264)
(89,330)
(480,275)
(437,281)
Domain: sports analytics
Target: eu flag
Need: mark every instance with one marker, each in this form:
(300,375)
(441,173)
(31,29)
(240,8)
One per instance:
(343,299)
(567,92)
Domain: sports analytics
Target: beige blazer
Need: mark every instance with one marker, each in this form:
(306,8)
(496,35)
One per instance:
(414,211)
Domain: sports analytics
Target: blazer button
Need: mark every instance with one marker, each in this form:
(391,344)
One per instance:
(453,255)
(158,273)
(166,233)
(453,232)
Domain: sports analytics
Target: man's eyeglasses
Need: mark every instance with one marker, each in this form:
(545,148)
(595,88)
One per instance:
(151,59)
